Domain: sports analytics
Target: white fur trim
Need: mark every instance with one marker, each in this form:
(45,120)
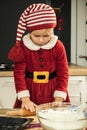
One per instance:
(24,93)
(30,45)
(60,94)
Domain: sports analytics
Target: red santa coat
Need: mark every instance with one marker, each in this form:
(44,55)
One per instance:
(29,57)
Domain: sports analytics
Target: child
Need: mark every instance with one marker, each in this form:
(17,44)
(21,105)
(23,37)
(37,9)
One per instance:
(40,62)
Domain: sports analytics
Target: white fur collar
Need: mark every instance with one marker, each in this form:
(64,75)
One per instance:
(30,45)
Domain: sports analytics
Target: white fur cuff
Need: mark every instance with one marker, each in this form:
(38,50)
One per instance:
(24,93)
(60,94)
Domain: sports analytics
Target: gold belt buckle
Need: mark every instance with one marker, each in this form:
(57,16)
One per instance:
(41,73)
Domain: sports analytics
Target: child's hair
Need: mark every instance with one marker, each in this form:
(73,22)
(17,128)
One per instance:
(35,17)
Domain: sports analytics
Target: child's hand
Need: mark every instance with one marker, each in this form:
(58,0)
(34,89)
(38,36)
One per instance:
(28,104)
(59,99)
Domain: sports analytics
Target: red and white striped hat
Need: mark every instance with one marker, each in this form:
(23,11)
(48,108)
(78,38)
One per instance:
(35,17)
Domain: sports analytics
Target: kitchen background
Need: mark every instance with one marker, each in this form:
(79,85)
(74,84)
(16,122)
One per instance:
(72,18)
(10,13)
(79,32)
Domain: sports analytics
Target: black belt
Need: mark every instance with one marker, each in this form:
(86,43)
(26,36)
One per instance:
(30,75)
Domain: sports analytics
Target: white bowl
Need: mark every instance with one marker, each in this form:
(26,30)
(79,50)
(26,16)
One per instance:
(59,116)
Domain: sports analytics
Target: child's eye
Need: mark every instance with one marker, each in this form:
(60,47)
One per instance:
(36,35)
(41,36)
(46,35)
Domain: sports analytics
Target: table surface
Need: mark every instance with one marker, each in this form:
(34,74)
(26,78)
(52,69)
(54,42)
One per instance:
(35,122)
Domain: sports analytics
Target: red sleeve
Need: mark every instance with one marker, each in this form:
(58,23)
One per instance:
(16,54)
(62,67)
(19,76)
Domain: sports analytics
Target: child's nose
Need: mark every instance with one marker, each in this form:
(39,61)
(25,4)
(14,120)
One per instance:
(41,39)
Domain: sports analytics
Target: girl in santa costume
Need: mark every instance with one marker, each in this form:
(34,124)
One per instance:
(40,61)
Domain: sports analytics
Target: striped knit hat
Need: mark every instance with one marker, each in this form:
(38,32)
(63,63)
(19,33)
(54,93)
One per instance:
(35,17)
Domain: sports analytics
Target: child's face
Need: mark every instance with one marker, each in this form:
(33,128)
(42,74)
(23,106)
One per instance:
(41,37)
